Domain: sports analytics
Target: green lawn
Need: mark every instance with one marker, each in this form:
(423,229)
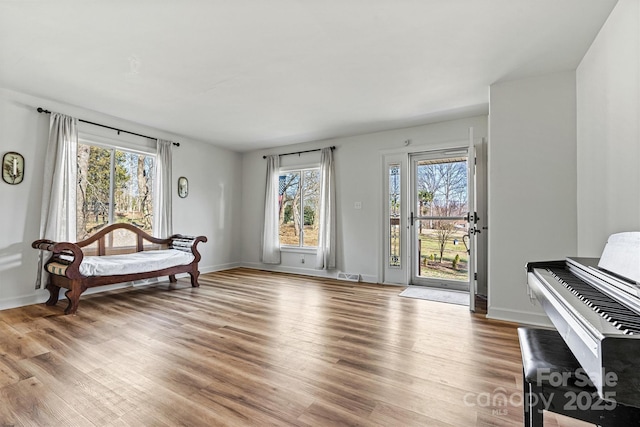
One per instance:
(430,265)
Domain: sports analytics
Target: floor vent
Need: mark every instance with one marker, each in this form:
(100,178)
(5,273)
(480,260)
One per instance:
(351,277)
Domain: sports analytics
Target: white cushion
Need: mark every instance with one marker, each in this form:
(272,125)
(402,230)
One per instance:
(139,262)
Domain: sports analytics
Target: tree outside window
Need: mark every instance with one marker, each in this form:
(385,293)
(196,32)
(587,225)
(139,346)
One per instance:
(114,186)
(299,193)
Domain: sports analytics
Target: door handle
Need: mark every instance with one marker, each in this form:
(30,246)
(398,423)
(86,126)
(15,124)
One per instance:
(472,217)
(412,219)
(465,239)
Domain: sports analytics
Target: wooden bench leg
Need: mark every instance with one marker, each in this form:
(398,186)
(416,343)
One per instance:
(73,295)
(172,278)
(54,293)
(194,278)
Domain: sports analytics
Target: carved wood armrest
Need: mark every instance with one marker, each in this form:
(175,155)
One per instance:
(187,244)
(60,249)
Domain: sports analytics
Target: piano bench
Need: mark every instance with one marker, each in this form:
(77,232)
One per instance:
(553,380)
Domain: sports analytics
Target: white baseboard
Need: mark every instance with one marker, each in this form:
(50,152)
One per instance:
(369,278)
(522,317)
(38,297)
(331,274)
(219,267)
(292,270)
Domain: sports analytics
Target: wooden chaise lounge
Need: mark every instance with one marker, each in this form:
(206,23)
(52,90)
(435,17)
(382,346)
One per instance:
(93,262)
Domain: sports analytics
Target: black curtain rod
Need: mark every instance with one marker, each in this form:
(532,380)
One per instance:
(333,147)
(42,110)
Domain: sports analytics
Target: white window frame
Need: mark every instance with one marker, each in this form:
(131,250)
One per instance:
(114,145)
(300,248)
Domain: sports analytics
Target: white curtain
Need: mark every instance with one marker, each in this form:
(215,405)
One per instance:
(326,256)
(58,215)
(162,182)
(270,233)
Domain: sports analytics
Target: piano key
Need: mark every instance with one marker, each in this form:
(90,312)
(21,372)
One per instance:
(611,310)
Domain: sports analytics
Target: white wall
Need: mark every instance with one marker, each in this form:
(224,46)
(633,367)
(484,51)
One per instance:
(532,186)
(551,137)
(608,125)
(359,179)
(211,209)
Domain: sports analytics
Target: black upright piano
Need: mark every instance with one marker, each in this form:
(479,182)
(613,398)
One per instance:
(594,303)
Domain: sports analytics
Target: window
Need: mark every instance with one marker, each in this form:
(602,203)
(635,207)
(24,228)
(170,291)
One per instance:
(394,215)
(299,193)
(114,186)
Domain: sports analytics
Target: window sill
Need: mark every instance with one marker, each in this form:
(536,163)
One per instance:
(298,250)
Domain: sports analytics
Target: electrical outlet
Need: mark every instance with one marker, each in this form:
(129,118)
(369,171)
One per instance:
(357,205)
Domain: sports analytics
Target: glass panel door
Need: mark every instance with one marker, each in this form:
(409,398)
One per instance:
(439,219)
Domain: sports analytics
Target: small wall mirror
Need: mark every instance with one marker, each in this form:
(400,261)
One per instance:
(183,187)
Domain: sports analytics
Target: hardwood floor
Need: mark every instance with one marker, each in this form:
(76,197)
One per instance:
(256,348)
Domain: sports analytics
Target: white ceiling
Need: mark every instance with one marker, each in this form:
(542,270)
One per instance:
(248,74)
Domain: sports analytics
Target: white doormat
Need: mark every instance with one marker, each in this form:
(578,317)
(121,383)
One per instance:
(440,295)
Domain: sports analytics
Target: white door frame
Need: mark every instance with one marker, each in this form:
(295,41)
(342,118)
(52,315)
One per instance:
(402,276)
